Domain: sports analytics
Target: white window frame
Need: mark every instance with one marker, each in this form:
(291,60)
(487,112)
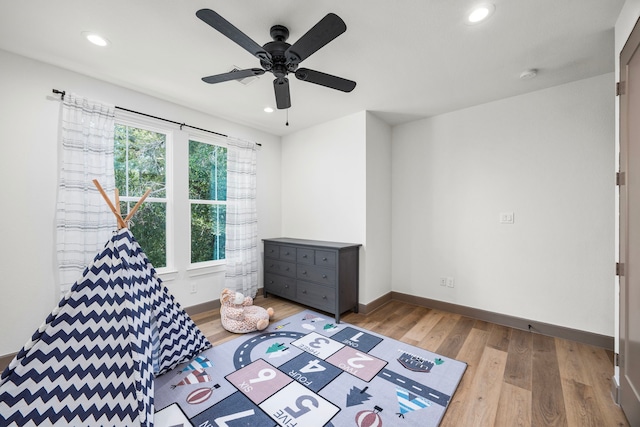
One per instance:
(168,272)
(204,267)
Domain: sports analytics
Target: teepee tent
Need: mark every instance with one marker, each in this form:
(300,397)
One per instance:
(93,360)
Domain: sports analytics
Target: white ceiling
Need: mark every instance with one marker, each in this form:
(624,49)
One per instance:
(410,58)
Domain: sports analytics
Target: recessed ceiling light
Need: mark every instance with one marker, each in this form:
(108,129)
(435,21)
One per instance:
(268,110)
(96,39)
(480,13)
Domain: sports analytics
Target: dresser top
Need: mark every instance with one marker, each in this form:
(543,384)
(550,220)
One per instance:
(317,243)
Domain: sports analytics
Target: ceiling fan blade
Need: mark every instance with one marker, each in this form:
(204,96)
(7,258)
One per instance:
(233,75)
(329,27)
(228,29)
(323,79)
(281,87)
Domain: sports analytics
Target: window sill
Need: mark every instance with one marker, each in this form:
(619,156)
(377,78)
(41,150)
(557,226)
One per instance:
(167,275)
(203,270)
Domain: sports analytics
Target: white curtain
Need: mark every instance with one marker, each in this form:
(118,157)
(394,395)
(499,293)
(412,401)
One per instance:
(241,250)
(84,222)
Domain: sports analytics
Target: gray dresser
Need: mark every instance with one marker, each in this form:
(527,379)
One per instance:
(321,275)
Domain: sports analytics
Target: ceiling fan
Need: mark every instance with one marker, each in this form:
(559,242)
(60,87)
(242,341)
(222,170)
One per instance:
(280,57)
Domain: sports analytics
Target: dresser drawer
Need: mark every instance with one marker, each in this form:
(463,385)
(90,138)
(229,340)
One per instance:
(288,253)
(280,267)
(317,274)
(271,251)
(314,295)
(282,286)
(306,256)
(325,259)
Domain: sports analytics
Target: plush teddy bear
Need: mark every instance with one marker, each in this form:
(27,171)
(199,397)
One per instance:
(239,315)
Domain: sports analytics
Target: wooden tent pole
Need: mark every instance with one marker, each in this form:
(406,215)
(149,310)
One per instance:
(117,197)
(135,208)
(121,222)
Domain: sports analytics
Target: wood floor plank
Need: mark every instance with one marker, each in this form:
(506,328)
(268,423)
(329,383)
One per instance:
(571,367)
(482,325)
(514,408)
(470,353)
(456,338)
(484,395)
(439,332)
(585,410)
(548,407)
(599,368)
(519,362)
(377,319)
(424,325)
(409,318)
(499,338)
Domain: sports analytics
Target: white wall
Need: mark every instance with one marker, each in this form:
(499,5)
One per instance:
(547,156)
(336,185)
(378,211)
(324,185)
(324,181)
(28,171)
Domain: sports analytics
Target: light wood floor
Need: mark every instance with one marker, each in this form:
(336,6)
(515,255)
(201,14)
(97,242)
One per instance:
(514,378)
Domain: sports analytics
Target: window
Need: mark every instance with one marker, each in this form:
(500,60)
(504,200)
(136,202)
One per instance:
(144,158)
(140,162)
(208,200)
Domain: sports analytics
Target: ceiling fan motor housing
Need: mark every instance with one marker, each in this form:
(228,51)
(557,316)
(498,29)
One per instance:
(278,65)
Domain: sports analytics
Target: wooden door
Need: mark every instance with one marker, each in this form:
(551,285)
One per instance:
(630,227)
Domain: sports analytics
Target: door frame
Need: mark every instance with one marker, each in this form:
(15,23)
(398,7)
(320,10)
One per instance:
(629,402)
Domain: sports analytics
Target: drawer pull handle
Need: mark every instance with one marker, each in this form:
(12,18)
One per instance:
(286,286)
(304,272)
(324,259)
(304,256)
(304,292)
(324,276)
(324,297)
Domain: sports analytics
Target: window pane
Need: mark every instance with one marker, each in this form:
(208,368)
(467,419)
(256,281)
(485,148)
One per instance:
(207,232)
(207,171)
(149,226)
(140,161)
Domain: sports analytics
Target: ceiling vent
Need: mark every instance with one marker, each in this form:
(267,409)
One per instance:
(247,80)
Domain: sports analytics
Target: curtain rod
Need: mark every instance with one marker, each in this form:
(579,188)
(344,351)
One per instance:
(62,93)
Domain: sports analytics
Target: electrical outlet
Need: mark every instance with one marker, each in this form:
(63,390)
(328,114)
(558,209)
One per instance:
(194,288)
(450,282)
(443,281)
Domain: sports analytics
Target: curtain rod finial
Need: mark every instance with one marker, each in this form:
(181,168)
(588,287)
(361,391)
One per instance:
(62,93)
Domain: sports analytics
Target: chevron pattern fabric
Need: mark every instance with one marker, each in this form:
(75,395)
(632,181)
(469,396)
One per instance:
(93,360)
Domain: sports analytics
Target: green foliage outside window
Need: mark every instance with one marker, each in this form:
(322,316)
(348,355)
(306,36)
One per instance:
(140,163)
(208,194)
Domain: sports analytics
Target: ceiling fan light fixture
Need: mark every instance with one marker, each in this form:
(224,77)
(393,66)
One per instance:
(96,39)
(268,110)
(480,13)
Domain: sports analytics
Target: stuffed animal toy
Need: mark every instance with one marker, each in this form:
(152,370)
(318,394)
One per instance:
(239,315)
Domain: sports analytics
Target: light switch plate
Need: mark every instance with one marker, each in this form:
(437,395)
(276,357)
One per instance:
(506,218)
